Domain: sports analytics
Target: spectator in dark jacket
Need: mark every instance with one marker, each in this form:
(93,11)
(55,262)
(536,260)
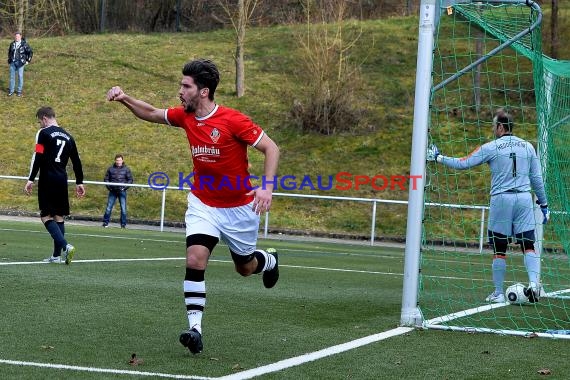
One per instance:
(19,55)
(117,173)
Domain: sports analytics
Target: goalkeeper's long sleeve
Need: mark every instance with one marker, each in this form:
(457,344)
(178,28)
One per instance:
(513,163)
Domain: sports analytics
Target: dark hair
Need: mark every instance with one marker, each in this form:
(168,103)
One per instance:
(119,155)
(45,111)
(205,74)
(504,118)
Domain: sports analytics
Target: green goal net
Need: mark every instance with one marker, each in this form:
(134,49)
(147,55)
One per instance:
(488,55)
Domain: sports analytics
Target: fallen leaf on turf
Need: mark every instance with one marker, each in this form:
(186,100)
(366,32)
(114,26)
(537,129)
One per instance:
(48,347)
(237,367)
(544,371)
(135,361)
(214,359)
(486,352)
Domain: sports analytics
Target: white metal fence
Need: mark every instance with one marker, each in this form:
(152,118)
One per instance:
(373,201)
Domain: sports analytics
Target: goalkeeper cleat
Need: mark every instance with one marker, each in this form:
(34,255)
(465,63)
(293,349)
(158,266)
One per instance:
(271,276)
(53,260)
(192,340)
(68,253)
(496,297)
(541,291)
(532,292)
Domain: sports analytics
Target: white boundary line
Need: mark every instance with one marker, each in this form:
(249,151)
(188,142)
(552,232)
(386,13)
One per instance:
(227,261)
(101,370)
(436,323)
(248,374)
(273,367)
(298,360)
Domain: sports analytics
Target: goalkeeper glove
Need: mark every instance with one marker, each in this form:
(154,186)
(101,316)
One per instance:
(433,153)
(545,212)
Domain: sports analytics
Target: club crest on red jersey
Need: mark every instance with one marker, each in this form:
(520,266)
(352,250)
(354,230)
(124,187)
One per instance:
(215,135)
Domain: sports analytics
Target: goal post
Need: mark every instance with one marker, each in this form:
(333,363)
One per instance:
(473,58)
(410,314)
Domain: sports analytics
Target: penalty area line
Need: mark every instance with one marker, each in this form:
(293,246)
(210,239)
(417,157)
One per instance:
(101,370)
(248,374)
(298,360)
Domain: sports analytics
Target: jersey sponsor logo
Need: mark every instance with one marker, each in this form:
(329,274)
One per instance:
(205,153)
(215,135)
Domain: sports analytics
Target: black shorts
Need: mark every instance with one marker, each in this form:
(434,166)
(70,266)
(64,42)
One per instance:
(53,198)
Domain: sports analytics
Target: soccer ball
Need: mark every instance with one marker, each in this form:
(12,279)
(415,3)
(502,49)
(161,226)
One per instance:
(515,294)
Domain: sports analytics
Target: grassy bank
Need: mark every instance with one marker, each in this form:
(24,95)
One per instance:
(73,73)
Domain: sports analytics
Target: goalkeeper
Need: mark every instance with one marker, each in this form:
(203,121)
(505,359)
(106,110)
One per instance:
(515,169)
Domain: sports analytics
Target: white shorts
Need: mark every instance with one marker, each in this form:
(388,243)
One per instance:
(236,226)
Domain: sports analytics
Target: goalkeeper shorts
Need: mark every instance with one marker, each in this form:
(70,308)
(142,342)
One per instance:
(511,213)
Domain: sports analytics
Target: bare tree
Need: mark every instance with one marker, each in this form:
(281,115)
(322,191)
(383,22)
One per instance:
(330,77)
(240,15)
(20,12)
(12,15)
(37,16)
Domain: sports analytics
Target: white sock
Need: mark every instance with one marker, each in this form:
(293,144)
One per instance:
(532,264)
(269,260)
(499,267)
(195,299)
(195,320)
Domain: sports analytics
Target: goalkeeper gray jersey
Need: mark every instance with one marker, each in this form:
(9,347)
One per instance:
(513,163)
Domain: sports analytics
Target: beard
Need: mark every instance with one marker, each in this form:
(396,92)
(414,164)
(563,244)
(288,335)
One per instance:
(190,105)
(189,108)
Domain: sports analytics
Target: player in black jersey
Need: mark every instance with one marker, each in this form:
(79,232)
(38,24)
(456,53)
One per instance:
(54,147)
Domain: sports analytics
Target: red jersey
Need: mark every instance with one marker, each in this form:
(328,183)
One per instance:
(218,142)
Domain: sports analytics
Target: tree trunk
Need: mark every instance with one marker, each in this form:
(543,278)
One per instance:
(20,12)
(240,40)
(103,16)
(554,42)
(409,7)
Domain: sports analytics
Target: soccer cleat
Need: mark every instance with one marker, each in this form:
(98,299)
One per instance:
(68,253)
(532,292)
(192,340)
(270,277)
(105,225)
(495,297)
(53,260)
(541,291)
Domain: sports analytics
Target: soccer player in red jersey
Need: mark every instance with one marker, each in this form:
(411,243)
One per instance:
(222,203)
